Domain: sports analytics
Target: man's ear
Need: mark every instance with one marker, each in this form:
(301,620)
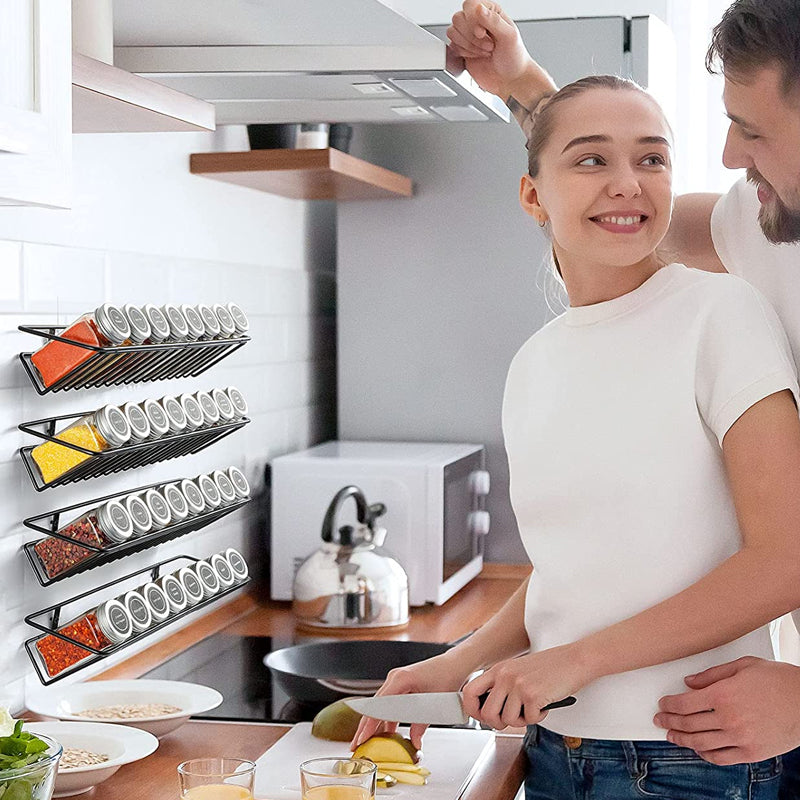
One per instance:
(529,199)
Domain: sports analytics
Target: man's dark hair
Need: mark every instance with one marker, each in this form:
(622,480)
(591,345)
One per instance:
(753,34)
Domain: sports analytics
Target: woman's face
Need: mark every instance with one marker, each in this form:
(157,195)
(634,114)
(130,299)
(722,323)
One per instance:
(605,179)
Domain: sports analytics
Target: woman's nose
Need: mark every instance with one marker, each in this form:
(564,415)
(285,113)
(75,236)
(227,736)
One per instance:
(624,183)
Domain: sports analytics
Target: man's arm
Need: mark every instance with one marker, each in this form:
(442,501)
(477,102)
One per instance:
(688,239)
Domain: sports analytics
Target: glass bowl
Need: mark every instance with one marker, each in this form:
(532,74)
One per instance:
(36,781)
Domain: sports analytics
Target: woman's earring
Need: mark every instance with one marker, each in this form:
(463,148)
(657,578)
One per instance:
(542,223)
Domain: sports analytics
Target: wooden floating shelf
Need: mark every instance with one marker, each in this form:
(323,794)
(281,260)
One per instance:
(106,99)
(321,174)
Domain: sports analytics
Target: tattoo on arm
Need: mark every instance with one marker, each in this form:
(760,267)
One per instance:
(523,115)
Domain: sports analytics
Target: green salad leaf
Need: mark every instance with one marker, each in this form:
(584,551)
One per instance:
(20,749)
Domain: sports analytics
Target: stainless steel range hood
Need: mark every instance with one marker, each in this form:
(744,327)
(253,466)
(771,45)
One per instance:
(274,61)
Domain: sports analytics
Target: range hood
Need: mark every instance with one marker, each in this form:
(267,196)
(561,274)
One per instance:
(275,61)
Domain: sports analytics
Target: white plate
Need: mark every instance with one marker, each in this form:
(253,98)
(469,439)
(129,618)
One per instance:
(191,698)
(120,743)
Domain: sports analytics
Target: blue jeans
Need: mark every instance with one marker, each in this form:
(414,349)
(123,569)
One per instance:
(790,780)
(560,768)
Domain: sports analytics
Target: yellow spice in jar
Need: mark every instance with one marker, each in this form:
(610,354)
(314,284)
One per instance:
(54,460)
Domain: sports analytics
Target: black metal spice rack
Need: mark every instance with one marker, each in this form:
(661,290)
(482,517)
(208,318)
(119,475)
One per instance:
(129,456)
(119,550)
(55,615)
(112,366)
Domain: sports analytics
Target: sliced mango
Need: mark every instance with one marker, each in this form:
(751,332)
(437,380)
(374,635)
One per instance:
(384,780)
(388,747)
(408,777)
(394,766)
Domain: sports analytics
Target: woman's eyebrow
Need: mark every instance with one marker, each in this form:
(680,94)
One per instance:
(603,139)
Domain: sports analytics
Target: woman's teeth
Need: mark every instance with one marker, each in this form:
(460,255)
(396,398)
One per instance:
(621,220)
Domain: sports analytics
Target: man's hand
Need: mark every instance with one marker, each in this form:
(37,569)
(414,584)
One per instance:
(745,710)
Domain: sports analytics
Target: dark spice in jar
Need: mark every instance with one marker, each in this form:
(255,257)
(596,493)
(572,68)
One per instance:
(57,556)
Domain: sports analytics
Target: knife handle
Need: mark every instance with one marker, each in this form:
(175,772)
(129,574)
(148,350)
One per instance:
(567,701)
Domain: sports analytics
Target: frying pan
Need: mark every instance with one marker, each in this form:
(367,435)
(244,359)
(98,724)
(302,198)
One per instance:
(323,672)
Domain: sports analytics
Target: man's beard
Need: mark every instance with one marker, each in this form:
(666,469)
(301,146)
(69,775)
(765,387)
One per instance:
(779,223)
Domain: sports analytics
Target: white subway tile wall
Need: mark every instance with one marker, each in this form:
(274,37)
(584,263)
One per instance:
(286,373)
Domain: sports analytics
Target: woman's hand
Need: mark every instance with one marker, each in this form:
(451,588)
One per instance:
(437,674)
(520,687)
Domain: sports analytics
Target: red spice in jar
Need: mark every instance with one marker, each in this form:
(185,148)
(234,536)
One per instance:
(55,359)
(57,556)
(59,655)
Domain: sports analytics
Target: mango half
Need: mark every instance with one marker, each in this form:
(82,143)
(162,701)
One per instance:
(391,747)
(336,722)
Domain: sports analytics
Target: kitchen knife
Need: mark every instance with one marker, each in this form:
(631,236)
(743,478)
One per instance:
(432,708)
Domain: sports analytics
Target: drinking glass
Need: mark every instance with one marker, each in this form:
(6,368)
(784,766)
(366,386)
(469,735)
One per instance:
(338,779)
(217,779)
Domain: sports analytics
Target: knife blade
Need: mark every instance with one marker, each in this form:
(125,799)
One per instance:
(432,708)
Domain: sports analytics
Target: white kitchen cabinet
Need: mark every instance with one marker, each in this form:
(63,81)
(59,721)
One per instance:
(35,103)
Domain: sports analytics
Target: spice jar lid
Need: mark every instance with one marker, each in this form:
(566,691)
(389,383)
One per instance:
(173,589)
(138,609)
(226,490)
(223,570)
(114,521)
(176,500)
(140,327)
(112,425)
(210,491)
(210,320)
(209,407)
(176,416)
(158,507)
(194,497)
(159,327)
(137,419)
(156,416)
(156,598)
(191,585)
(114,621)
(193,321)
(208,578)
(237,562)
(226,323)
(239,318)
(224,405)
(191,408)
(240,484)
(178,326)
(139,513)
(237,401)
(113,323)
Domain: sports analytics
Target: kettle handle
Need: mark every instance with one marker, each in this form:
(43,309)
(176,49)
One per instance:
(362,510)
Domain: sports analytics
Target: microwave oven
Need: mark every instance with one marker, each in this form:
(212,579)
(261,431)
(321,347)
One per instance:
(435,516)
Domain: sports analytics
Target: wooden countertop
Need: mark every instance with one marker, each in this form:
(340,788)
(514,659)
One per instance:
(156,777)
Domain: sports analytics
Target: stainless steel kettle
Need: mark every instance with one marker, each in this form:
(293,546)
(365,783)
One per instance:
(351,581)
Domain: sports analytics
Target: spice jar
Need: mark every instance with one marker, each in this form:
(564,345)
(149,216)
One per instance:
(139,610)
(194,497)
(140,327)
(137,419)
(238,402)
(223,402)
(240,321)
(101,430)
(210,491)
(194,414)
(223,570)
(157,417)
(178,507)
(159,327)
(239,482)
(226,323)
(226,490)
(157,600)
(210,321)
(100,527)
(209,407)
(105,326)
(194,323)
(176,416)
(160,515)
(139,513)
(178,327)
(191,585)
(102,628)
(238,564)
(208,577)
(173,589)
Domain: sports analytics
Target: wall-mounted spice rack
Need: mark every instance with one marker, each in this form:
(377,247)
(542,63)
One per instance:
(94,654)
(129,456)
(50,524)
(135,363)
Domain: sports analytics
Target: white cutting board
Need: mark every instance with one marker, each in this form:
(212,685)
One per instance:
(451,754)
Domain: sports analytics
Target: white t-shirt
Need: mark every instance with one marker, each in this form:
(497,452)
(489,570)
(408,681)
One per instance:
(613,418)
